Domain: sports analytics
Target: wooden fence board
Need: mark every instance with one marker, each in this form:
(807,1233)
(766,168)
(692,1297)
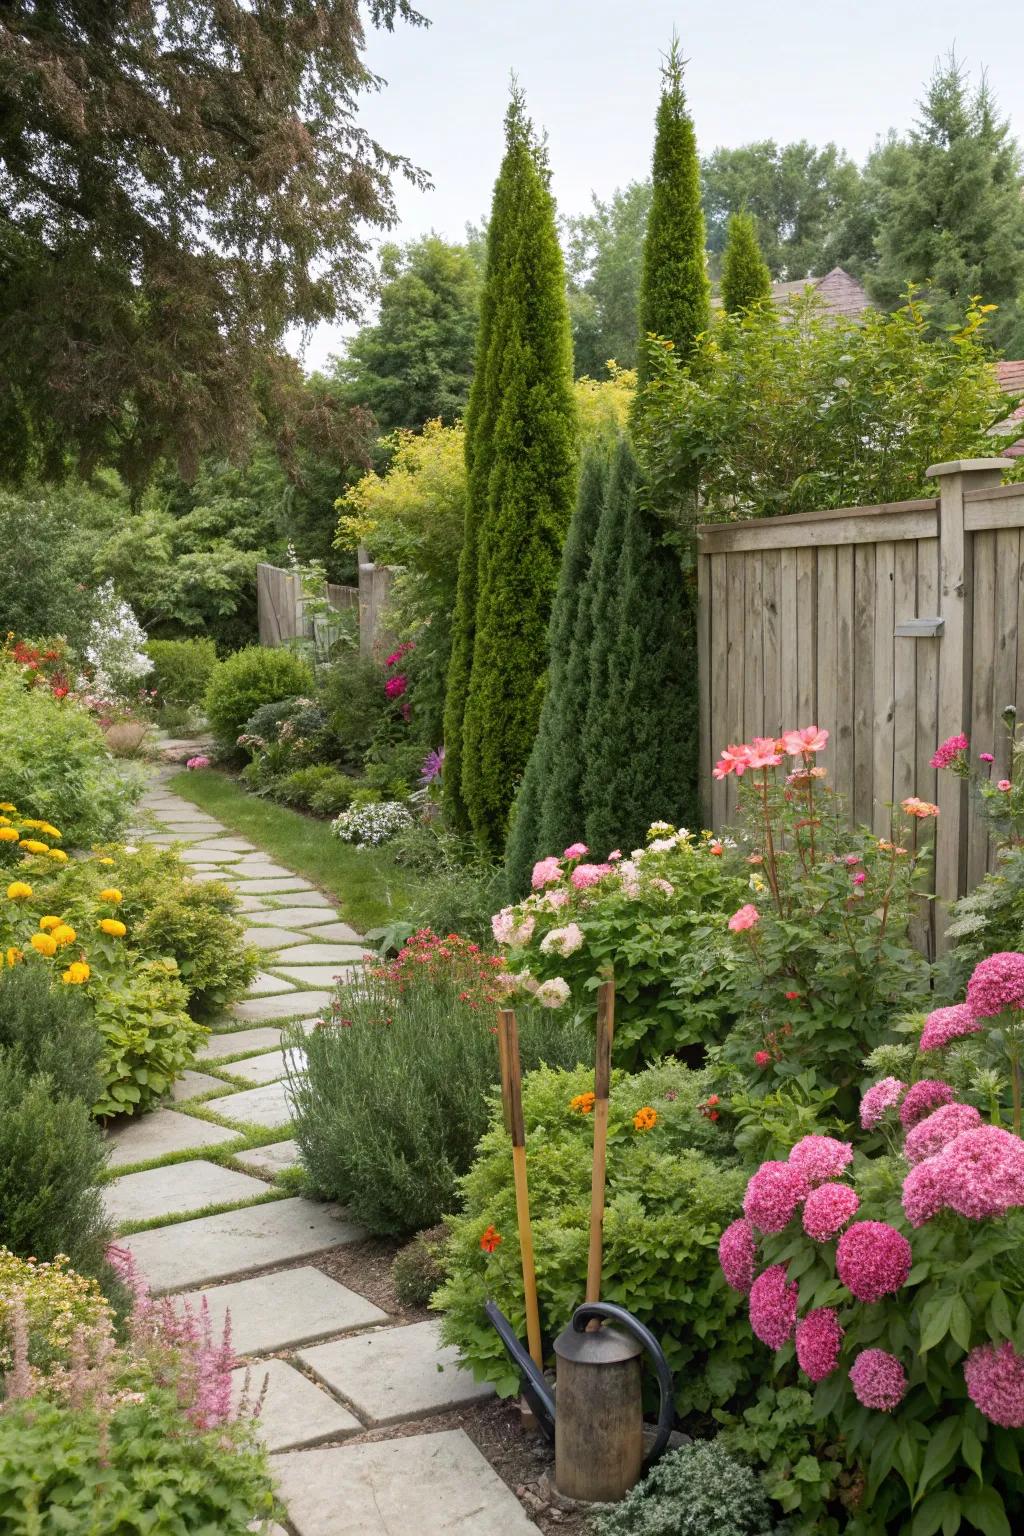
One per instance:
(983,669)
(842,760)
(905,674)
(863,683)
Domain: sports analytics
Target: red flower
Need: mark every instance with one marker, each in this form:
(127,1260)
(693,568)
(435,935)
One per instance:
(763,1058)
(791,997)
(490,1240)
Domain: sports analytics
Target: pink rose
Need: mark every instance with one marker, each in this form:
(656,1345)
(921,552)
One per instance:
(747,917)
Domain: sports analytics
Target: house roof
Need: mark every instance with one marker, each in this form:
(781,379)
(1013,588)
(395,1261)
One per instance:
(839,293)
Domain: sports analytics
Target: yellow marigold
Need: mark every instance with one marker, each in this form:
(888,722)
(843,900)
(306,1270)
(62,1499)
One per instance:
(104,861)
(30,845)
(9,835)
(113,927)
(19,891)
(14,955)
(48,831)
(44,943)
(27,821)
(47,924)
(64,934)
(111,893)
(76,973)
(645,1119)
(583,1103)
(58,854)
(5,805)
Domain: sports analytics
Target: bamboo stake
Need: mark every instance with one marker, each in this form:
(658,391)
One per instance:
(602,1085)
(512,1105)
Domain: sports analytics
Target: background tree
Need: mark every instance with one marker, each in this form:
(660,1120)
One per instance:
(948,203)
(675,295)
(521,433)
(178,185)
(745,277)
(414,363)
(603,251)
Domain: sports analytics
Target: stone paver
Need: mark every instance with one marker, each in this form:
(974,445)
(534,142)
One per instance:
(317,975)
(269,938)
(228,845)
(295,917)
(265,1106)
(340,932)
(256,867)
(179,1187)
(265,985)
(272,1159)
(320,954)
(190,1084)
(160,1132)
(212,1248)
(267,1069)
(197,855)
(396,1373)
(237,1041)
(288,1006)
(295,1412)
(269,887)
(273,1312)
(252,904)
(437,1485)
(302,899)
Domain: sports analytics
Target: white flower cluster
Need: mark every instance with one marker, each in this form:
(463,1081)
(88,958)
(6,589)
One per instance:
(369,825)
(115,650)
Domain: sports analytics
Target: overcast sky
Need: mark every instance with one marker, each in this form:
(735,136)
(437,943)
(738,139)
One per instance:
(783,71)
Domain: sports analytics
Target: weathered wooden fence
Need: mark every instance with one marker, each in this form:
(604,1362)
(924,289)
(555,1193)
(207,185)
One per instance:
(284,616)
(893,626)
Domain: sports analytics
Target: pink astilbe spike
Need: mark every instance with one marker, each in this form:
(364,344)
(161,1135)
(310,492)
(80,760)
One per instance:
(20,1380)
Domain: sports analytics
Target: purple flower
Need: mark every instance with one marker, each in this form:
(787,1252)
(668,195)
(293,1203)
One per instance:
(997,983)
(432,766)
(773,1194)
(922,1098)
(737,1248)
(873,1260)
(818,1340)
(879,1099)
(827,1209)
(995,1383)
(879,1380)
(945,1024)
(773,1306)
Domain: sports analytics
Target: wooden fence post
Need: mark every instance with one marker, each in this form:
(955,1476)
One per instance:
(955,662)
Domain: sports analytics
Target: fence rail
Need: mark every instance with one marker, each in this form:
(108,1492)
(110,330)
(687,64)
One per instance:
(894,626)
(285,617)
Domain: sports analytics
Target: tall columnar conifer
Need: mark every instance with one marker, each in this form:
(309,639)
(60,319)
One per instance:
(675,295)
(745,276)
(521,455)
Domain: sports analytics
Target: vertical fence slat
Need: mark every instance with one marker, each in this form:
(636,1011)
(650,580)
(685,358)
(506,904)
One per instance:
(827,646)
(770,640)
(1004,669)
(789,700)
(884,693)
(753,650)
(806,625)
(704,655)
(842,756)
(904,673)
(718,615)
(982,681)
(735,633)
(863,683)
(927,680)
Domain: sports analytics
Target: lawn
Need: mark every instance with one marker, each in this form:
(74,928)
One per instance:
(368,886)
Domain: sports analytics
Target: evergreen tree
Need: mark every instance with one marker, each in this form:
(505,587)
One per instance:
(675,295)
(548,812)
(745,276)
(521,455)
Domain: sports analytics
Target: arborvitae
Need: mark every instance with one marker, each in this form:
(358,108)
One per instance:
(548,812)
(675,295)
(522,463)
(745,276)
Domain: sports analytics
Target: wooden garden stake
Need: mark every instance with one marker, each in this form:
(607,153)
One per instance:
(512,1105)
(602,1085)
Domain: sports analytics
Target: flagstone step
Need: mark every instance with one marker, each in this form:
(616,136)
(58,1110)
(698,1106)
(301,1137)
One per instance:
(295,1411)
(179,1187)
(269,1068)
(159,1133)
(267,1106)
(393,1374)
(233,1044)
(282,1310)
(271,1159)
(290,1005)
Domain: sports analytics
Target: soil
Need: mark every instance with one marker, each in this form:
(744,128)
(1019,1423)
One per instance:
(366,1268)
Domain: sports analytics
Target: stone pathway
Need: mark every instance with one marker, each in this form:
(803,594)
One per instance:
(202,1193)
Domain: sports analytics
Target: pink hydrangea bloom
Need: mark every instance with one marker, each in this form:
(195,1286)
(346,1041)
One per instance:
(948,751)
(997,983)
(879,1099)
(985,757)
(821,1157)
(984,1170)
(737,1250)
(878,1379)
(873,1260)
(396,686)
(827,1209)
(995,1383)
(924,1191)
(576,851)
(546,872)
(664,886)
(747,917)
(922,1098)
(818,1341)
(773,1306)
(773,1194)
(509,927)
(588,874)
(615,856)
(945,1024)
(932,1133)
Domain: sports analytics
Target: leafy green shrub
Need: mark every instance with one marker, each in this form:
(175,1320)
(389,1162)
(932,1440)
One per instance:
(44,590)
(671,1191)
(51,1158)
(251,677)
(48,1028)
(321,788)
(354,701)
(56,1301)
(460,890)
(416,1271)
(59,1471)
(195,925)
(148,1038)
(393,1098)
(699,1490)
(182,670)
(803,1466)
(56,765)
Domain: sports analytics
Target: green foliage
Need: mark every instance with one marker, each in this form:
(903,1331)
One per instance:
(321,788)
(51,1159)
(802,1469)
(147,1472)
(43,583)
(948,208)
(521,458)
(148,1038)
(393,1096)
(413,363)
(745,276)
(460,890)
(699,1490)
(56,766)
(602,258)
(351,692)
(759,425)
(56,1302)
(675,295)
(48,1029)
(182,670)
(251,677)
(195,925)
(416,1271)
(670,1192)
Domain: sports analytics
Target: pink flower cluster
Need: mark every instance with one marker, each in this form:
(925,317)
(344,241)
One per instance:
(922,1098)
(879,1099)
(773,1303)
(827,1209)
(737,1250)
(585,875)
(997,983)
(945,1024)
(873,1260)
(936,1130)
(994,1374)
(747,917)
(878,1379)
(949,750)
(198,762)
(767,751)
(818,1341)
(979,1173)
(773,1194)
(821,1157)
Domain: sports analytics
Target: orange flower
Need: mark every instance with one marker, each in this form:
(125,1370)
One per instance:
(64,934)
(43,944)
(76,973)
(490,1240)
(583,1103)
(645,1119)
(919,808)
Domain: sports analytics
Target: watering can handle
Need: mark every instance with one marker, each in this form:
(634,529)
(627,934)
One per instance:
(591,1311)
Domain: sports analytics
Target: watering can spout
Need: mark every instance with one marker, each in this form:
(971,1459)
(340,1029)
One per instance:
(535,1387)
